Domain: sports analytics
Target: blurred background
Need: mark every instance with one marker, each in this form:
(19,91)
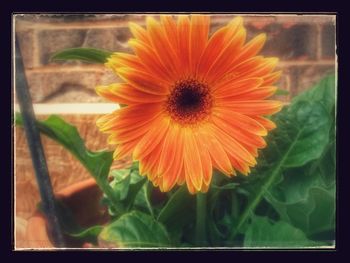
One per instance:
(305,45)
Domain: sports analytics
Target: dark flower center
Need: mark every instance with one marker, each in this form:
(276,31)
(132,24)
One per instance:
(189,102)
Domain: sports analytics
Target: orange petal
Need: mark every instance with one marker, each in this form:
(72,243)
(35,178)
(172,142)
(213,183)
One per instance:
(139,32)
(134,130)
(171,158)
(217,43)
(192,160)
(238,132)
(199,30)
(150,59)
(232,147)
(131,115)
(152,138)
(223,62)
(207,167)
(183,37)
(170,30)
(143,81)
(232,88)
(268,124)
(126,94)
(255,67)
(250,49)
(123,60)
(271,78)
(218,155)
(182,179)
(190,185)
(253,107)
(259,93)
(124,150)
(264,69)
(162,45)
(107,119)
(236,119)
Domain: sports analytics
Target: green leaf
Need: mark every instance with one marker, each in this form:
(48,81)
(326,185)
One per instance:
(301,137)
(135,230)
(85,54)
(315,214)
(228,186)
(306,127)
(67,135)
(323,92)
(97,163)
(177,210)
(120,183)
(126,185)
(89,234)
(263,233)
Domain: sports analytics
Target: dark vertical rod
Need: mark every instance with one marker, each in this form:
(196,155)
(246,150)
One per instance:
(36,149)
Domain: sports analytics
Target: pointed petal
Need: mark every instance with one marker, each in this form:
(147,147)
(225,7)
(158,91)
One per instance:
(139,32)
(199,31)
(126,94)
(268,124)
(162,45)
(124,150)
(207,167)
(236,87)
(223,62)
(217,153)
(241,121)
(271,78)
(253,107)
(252,48)
(240,134)
(183,37)
(151,139)
(192,160)
(217,44)
(256,94)
(143,81)
(232,147)
(171,159)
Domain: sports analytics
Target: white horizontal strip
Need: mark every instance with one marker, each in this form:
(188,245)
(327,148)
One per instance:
(72,108)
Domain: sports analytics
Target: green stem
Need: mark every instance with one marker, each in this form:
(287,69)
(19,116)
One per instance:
(201,214)
(108,191)
(264,188)
(146,191)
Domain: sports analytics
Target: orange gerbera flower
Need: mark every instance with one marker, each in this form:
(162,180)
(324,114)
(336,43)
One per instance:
(194,103)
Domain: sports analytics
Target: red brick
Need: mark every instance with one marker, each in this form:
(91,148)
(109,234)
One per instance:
(328,41)
(109,39)
(49,85)
(296,42)
(307,76)
(51,41)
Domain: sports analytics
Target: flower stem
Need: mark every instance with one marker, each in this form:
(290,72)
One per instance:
(201,214)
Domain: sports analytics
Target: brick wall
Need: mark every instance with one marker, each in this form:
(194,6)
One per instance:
(305,45)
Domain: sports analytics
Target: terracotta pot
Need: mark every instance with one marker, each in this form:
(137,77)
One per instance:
(83,199)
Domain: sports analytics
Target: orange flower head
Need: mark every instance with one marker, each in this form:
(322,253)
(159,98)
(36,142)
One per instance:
(194,102)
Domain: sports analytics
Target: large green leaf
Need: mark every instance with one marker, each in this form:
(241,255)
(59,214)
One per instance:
(176,211)
(97,163)
(301,137)
(323,92)
(134,230)
(85,54)
(263,233)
